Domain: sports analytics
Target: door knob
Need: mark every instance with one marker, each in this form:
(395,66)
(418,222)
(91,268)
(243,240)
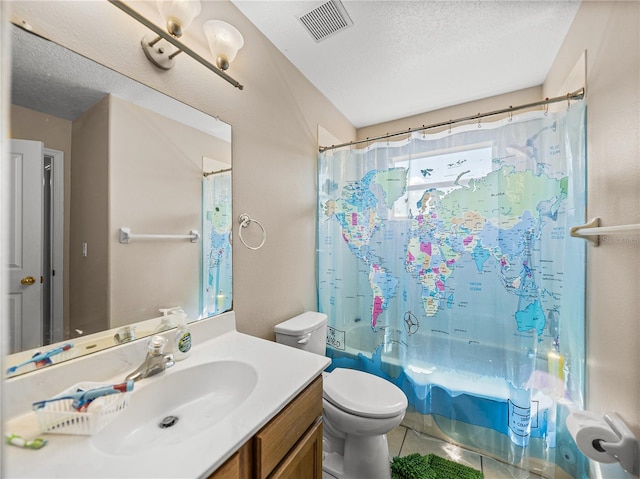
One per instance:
(28,280)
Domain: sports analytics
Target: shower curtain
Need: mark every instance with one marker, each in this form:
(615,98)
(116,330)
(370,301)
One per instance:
(445,265)
(217,221)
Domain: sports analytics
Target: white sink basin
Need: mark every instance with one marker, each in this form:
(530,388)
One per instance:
(197,397)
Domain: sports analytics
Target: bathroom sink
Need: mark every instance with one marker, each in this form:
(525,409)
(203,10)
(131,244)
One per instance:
(176,406)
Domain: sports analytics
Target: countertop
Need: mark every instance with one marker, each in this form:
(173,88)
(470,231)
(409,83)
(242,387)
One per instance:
(282,373)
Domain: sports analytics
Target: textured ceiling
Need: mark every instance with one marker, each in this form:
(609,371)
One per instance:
(402,58)
(66,96)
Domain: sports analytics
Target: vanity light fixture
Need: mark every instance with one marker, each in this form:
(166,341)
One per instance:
(178,15)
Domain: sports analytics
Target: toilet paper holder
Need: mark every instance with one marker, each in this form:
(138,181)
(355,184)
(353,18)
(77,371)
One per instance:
(626,450)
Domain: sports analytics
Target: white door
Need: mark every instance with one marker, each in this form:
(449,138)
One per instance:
(25,245)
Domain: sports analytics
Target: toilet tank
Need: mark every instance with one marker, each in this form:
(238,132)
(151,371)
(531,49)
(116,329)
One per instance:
(307,331)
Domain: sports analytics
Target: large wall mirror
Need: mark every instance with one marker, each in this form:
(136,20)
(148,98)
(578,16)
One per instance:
(121,207)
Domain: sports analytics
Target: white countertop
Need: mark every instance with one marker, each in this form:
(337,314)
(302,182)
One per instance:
(282,372)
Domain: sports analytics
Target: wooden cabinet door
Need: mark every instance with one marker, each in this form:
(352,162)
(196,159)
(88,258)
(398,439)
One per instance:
(237,466)
(229,470)
(305,459)
(274,441)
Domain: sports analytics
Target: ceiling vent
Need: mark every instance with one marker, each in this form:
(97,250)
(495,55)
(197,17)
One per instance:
(325,19)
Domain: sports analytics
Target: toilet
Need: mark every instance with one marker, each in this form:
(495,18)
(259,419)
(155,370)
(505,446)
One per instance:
(359,409)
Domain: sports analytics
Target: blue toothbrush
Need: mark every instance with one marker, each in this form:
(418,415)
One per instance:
(42,358)
(82,398)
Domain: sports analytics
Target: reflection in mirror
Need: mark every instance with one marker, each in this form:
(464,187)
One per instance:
(112,154)
(217,223)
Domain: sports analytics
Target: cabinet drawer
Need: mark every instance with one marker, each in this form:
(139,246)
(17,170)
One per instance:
(276,439)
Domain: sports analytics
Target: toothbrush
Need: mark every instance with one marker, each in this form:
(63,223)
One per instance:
(42,359)
(82,399)
(16,440)
(82,403)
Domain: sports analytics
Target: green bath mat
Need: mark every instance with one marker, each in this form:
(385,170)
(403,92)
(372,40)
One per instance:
(415,466)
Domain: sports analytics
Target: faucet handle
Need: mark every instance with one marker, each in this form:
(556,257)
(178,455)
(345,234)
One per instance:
(169,360)
(156,345)
(156,348)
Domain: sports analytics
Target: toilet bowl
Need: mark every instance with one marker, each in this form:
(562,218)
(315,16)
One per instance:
(359,409)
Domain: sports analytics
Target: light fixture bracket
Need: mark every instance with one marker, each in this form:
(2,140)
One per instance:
(156,52)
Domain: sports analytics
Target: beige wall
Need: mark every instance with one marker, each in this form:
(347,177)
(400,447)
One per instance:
(155,187)
(519,97)
(609,32)
(88,276)
(55,133)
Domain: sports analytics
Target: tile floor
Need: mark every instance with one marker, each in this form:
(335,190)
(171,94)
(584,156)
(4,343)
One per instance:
(404,441)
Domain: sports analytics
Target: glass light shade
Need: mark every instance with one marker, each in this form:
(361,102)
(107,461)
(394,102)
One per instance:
(224,41)
(181,12)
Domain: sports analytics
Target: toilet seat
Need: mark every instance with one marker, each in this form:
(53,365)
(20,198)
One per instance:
(363,394)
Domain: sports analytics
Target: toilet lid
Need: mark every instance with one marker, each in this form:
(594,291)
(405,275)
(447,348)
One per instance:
(363,394)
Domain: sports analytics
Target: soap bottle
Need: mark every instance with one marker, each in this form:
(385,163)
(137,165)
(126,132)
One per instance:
(182,339)
(165,323)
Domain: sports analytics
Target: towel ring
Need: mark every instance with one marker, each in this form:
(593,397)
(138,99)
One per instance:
(245,220)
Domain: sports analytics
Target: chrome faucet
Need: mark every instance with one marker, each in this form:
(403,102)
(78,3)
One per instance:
(155,362)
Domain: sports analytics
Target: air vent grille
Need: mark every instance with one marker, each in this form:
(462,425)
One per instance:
(325,20)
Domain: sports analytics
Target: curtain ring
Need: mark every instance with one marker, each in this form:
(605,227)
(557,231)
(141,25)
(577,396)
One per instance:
(245,220)
(546,107)
(479,124)
(450,123)
(568,101)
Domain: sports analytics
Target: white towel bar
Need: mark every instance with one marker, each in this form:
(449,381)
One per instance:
(126,236)
(592,230)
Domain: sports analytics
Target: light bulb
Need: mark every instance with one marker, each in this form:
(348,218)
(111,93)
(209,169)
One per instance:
(224,41)
(178,14)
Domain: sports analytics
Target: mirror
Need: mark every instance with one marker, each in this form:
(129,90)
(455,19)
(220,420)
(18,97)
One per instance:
(134,220)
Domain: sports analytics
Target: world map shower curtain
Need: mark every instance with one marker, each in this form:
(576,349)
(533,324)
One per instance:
(445,265)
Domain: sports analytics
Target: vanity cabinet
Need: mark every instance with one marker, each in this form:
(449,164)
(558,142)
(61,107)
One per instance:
(288,447)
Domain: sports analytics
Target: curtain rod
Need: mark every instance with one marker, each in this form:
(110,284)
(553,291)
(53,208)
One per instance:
(576,95)
(209,173)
